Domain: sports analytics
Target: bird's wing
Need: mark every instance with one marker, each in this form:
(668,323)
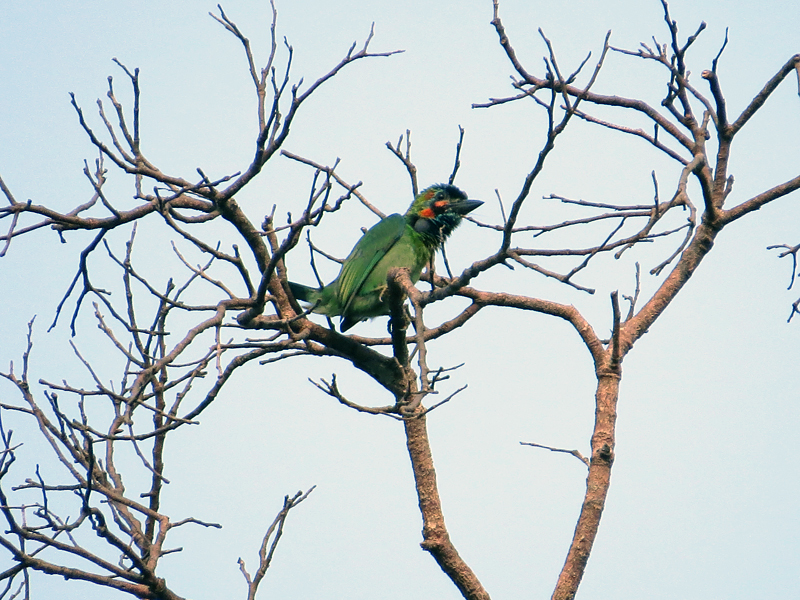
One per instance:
(370,249)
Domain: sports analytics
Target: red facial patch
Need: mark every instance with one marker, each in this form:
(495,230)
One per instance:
(440,203)
(426,213)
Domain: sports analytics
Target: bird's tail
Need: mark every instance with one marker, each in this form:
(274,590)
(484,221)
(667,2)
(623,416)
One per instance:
(304,293)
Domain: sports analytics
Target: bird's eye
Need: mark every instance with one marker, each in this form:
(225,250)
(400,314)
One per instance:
(440,195)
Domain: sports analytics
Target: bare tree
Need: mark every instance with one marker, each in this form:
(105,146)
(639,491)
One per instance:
(788,250)
(180,342)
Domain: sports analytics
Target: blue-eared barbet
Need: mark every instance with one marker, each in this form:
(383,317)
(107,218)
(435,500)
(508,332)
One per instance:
(410,241)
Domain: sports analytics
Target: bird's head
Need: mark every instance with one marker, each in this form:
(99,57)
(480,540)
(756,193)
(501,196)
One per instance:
(437,211)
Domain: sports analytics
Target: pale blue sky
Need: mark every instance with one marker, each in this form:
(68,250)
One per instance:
(703,503)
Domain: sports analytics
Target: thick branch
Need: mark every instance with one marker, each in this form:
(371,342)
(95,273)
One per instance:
(436,539)
(760,98)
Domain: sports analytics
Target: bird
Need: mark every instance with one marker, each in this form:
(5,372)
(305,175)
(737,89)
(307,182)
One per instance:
(359,291)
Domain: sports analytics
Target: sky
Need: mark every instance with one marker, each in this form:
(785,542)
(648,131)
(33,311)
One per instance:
(703,501)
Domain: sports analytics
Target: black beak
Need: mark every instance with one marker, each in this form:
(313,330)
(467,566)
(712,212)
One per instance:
(463,207)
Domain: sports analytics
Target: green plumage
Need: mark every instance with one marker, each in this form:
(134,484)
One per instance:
(409,241)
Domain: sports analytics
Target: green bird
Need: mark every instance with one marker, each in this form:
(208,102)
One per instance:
(410,241)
